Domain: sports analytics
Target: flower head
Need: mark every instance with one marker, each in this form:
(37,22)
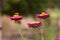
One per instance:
(58,38)
(43,15)
(1,27)
(16,17)
(34,24)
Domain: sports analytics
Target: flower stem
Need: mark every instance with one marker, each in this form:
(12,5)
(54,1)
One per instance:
(46,25)
(20,31)
(37,36)
(37,31)
(42,38)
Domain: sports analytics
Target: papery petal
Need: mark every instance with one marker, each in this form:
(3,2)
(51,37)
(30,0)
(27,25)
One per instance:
(42,16)
(58,38)
(1,27)
(34,24)
(18,18)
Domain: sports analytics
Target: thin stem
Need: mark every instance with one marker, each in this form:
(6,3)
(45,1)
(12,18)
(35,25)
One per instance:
(20,31)
(39,31)
(46,24)
(42,38)
(37,36)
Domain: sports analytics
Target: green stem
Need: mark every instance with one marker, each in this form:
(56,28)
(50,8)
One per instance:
(20,31)
(37,36)
(37,31)
(42,38)
(46,24)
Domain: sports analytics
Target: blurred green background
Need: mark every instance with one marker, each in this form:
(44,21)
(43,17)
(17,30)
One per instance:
(32,7)
(28,7)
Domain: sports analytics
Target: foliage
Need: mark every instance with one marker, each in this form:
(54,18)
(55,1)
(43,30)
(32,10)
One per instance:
(24,7)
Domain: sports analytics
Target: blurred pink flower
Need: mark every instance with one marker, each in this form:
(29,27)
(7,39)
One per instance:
(58,38)
(16,17)
(34,24)
(1,27)
(43,15)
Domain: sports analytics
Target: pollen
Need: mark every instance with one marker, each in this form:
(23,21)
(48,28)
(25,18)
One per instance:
(43,13)
(16,15)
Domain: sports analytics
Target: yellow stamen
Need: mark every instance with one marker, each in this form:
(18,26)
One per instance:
(16,15)
(43,13)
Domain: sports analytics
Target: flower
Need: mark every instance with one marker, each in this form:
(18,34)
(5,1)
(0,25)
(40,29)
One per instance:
(43,15)
(34,24)
(16,17)
(1,27)
(58,38)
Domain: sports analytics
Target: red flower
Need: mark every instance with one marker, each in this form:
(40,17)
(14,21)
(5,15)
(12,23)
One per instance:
(16,17)
(58,38)
(34,24)
(1,27)
(43,15)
